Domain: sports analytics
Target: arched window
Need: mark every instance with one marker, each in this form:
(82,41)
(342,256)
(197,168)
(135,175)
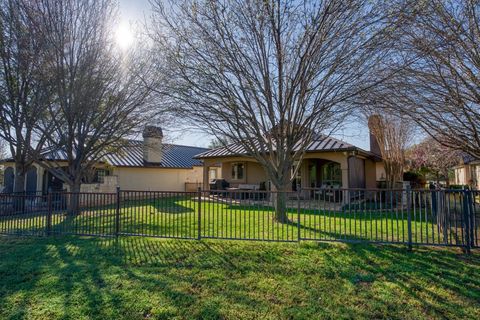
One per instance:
(8,180)
(31,186)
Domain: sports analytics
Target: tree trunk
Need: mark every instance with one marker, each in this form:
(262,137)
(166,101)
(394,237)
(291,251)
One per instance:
(19,188)
(74,203)
(279,199)
(19,183)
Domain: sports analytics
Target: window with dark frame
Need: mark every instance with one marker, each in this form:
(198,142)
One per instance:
(238,169)
(100,175)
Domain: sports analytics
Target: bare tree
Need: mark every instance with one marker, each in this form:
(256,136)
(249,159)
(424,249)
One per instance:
(100,97)
(438,85)
(3,146)
(3,155)
(268,75)
(24,94)
(393,135)
(218,143)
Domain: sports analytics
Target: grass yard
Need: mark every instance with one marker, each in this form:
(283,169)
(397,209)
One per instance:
(178,217)
(138,278)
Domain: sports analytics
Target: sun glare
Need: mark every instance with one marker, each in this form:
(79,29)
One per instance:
(124,36)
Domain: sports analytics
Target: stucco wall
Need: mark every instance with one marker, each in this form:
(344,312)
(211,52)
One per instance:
(156,179)
(40,172)
(138,179)
(380,171)
(254,173)
(194,175)
(468,174)
(109,185)
(459,175)
(475,173)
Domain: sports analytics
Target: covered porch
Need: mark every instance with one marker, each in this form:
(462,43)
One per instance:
(335,170)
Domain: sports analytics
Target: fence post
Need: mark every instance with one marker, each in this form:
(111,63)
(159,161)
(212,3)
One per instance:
(466,219)
(473,223)
(117,212)
(442,214)
(49,214)
(409,216)
(298,214)
(199,222)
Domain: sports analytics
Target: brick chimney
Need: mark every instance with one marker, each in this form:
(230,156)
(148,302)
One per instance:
(152,144)
(374,121)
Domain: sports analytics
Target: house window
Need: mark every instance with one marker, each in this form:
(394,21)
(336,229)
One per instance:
(332,174)
(100,175)
(238,171)
(212,173)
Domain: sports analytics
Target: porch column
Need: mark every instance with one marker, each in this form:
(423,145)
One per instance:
(345,185)
(305,175)
(40,172)
(206,185)
(344,168)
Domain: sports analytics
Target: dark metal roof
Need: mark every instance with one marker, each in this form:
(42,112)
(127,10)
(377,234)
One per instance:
(131,155)
(173,156)
(467,158)
(321,143)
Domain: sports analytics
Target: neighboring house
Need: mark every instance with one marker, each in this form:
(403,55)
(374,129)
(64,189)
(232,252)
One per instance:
(328,162)
(140,165)
(467,172)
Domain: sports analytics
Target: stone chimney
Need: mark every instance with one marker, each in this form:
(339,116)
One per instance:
(374,121)
(152,144)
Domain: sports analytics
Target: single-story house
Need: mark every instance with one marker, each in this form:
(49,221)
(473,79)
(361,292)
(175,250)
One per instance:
(140,165)
(467,172)
(328,162)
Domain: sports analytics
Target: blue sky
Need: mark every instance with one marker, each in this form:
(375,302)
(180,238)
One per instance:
(132,10)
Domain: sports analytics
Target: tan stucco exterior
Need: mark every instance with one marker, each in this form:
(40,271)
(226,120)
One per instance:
(255,174)
(468,174)
(136,178)
(156,179)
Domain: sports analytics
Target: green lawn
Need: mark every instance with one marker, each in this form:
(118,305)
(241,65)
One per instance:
(138,278)
(178,217)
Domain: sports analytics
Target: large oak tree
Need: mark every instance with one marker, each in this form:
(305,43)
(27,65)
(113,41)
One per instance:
(268,75)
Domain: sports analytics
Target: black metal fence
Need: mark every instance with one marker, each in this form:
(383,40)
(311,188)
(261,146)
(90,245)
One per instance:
(410,217)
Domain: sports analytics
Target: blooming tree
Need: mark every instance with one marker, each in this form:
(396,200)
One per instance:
(432,157)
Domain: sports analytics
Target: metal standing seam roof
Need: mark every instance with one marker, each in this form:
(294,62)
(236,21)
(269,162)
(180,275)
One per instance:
(467,158)
(131,155)
(320,144)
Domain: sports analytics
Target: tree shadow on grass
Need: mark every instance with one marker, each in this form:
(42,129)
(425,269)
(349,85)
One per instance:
(432,278)
(85,277)
(171,205)
(137,278)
